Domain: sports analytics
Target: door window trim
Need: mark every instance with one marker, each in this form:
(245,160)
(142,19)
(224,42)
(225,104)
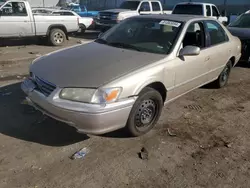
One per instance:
(205,33)
(208,39)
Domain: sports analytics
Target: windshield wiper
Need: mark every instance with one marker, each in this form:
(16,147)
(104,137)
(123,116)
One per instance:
(124,45)
(101,41)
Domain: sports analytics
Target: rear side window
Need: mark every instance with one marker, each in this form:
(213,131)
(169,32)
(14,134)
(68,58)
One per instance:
(188,9)
(208,9)
(215,11)
(156,6)
(216,33)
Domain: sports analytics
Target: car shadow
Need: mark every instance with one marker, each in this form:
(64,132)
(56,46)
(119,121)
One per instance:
(242,64)
(89,35)
(24,122)
(4,42)
(121,133)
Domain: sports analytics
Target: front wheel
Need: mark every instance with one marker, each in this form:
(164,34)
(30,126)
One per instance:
(145,112)
(57,37)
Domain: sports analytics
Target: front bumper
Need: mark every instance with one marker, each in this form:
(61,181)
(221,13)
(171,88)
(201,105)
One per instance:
(86,118)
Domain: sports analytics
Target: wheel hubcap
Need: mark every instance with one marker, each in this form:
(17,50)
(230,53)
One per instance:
(225,74)
(58,38)
(145,114)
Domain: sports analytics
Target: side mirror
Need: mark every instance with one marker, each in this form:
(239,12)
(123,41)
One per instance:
(190,51)
(100,35)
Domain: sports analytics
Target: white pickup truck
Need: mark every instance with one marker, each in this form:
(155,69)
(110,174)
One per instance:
(129,8)
(17,20)
(203,9)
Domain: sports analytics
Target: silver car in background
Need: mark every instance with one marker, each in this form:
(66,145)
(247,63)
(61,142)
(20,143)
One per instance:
(123,79)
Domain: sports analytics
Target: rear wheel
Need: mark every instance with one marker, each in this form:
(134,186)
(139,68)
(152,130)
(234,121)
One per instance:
(57,37)
(224,76)
(145,112)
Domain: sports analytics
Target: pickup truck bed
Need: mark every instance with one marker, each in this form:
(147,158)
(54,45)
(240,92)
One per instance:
(17,20)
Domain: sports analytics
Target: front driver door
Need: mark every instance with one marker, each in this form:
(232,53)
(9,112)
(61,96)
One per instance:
(14,21)
(191,71)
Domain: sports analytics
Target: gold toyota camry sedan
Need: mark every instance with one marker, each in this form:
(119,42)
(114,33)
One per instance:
(123,78)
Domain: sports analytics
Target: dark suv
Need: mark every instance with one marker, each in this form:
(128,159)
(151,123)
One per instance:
(241,28)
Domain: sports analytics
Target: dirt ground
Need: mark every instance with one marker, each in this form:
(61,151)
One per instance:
(208,144)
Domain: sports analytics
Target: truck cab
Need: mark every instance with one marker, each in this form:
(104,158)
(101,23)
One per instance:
(202,9)
(129,8)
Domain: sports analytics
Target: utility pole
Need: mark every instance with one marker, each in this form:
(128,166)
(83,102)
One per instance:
(43,4)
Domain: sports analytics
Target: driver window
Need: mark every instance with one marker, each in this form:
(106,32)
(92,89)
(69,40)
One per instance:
(14,9)
(195,36)
(145,7)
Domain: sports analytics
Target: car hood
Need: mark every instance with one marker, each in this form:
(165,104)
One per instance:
(115,10)
(90,65)
(242,33)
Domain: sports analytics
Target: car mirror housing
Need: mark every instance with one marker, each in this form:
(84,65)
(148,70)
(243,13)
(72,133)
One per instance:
(190,51)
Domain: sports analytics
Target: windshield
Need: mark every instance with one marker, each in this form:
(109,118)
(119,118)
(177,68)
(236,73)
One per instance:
(143,34)
(132,5)
(188,9)
(242,21)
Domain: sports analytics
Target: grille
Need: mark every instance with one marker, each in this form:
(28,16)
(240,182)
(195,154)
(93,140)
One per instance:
(105,16)
(44,87)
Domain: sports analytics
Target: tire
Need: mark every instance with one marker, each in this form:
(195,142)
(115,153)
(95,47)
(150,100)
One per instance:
(145,112)
(82,28)
(57,37)
(224,76)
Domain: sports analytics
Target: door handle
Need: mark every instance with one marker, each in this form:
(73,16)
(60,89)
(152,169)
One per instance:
(207,59)
(25,21)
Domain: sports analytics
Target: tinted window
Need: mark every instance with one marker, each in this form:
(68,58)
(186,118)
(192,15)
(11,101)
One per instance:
(14,9)
(147,35)
(242,21)
(215,11)
(216,33)
(208,9)
(145,7)
(64,13)
(132,5)
(156,6)
(188,9)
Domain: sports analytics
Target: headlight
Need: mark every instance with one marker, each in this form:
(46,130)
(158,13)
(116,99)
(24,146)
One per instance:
(97,96)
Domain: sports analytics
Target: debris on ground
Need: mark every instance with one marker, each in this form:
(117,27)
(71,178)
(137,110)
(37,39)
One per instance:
(228,145)
(193,107)
(33,52)
(241,109)
(80,154)
(143,154)
(171,133)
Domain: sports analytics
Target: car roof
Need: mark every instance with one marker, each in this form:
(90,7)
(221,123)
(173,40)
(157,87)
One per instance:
(175,17)
(194,3)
